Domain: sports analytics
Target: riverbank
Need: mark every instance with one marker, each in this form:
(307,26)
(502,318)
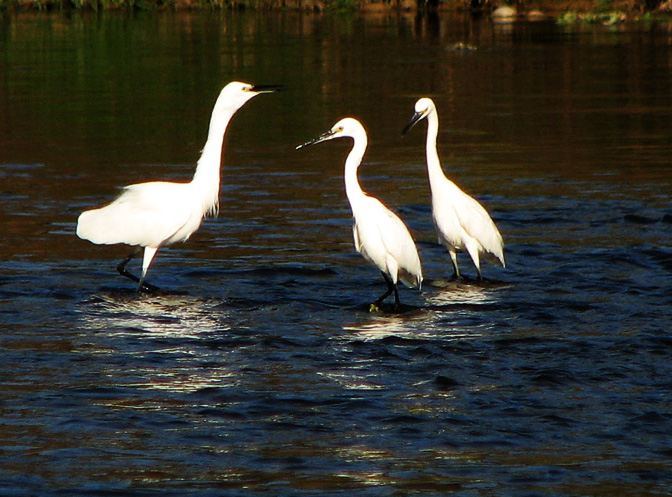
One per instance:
(513,9)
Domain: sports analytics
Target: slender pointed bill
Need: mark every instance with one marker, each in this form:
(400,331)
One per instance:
(414,120)
(323,137)
(267,88)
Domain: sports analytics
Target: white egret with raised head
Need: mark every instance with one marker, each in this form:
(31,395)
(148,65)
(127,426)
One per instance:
(155,214)
(461,222)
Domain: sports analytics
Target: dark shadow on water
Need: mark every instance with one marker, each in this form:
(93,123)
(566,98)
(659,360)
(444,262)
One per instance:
(386,309)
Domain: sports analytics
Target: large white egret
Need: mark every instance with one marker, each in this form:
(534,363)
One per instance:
(380,236)
(159,213)
(461,222)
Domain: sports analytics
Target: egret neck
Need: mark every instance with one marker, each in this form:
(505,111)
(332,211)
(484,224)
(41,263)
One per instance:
(353,189)
(206,176)
(433,162)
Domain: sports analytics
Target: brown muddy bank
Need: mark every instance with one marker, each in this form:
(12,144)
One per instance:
(510,9)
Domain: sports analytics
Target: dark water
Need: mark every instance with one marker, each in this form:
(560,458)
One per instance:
(258,370)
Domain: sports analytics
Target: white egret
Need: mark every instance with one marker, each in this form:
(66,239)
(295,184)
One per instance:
(380,236)
(159,213)
(461,222)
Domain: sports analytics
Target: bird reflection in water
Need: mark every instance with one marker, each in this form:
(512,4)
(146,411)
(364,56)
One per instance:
(423,324)
(175,342)
(169,316)
(452,293)
(448,303)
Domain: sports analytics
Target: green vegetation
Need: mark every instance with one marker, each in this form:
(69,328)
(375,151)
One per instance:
(601,17)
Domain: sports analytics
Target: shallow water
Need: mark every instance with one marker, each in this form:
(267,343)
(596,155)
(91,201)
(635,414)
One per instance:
(257,369)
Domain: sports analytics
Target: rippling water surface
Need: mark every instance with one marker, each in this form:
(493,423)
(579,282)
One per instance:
(257,369)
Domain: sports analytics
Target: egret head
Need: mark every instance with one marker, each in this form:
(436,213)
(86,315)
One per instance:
(248,90)
(348,127)
(236,94)
(423,108)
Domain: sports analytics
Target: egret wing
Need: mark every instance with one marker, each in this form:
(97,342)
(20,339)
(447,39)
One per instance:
(478,224)
(145,214)
(381,235)
(400,245)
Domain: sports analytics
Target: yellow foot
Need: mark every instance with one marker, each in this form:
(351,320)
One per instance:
(374,308)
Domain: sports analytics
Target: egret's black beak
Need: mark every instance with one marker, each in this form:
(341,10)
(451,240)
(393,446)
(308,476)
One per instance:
(323,137)
(267,88)
(414,120)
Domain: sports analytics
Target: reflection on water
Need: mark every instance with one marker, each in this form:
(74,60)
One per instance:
(462,292)
(354,380)
(420,324)
(167,315)
(265,375)
(380,327)
(172,328)
(450,311)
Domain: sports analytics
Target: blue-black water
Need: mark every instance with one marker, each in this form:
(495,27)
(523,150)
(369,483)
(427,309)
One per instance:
(258,369)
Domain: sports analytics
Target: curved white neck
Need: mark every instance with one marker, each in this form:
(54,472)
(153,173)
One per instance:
(352,188)
(434,170)
(208,167)
(206,176)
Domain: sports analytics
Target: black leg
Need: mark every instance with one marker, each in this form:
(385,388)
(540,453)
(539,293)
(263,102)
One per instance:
(391,287)
(456,271)
(396,298)
(121,267)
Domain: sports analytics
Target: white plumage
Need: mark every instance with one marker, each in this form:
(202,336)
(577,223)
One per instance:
(159,213)
(380,236)
(461,222)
